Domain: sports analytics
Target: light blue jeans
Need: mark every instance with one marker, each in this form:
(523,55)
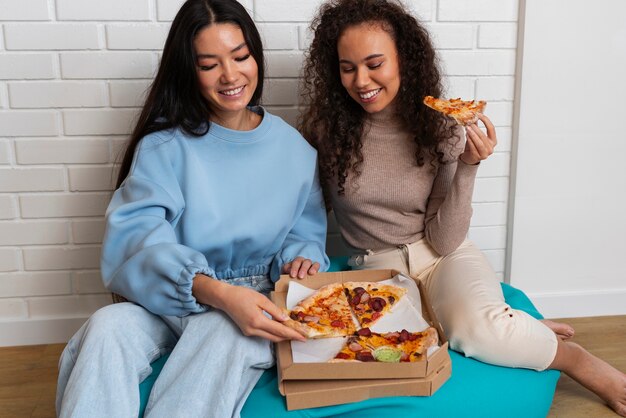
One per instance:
(210,373)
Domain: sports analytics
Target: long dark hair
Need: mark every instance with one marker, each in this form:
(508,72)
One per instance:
(333,122)
(174,98)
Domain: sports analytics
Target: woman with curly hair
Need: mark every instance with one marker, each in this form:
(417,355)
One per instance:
(399,177)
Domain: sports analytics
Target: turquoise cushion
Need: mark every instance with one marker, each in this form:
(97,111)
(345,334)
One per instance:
(475,389)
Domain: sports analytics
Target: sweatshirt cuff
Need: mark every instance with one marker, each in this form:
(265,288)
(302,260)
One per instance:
(185,282)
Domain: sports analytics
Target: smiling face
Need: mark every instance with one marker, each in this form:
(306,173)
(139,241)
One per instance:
(368,65)
(227,72)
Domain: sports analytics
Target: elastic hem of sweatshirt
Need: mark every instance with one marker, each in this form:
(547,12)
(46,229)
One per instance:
(244,137)
(185,282)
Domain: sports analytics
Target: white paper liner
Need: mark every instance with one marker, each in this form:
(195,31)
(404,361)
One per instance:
(406,314)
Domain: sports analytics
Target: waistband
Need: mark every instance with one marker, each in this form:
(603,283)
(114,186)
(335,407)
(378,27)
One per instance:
(418,256)
(261,282)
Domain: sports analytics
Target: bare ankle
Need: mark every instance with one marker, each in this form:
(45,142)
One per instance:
(593,373)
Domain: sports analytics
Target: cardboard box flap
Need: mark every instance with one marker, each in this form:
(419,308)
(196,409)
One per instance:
(317,393)
(322,279)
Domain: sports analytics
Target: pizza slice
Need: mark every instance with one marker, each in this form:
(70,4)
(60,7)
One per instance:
(464,112)
(391,347)
(324,314)
(370,300)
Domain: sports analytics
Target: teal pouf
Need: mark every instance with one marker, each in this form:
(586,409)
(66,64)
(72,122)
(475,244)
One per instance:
(475,389)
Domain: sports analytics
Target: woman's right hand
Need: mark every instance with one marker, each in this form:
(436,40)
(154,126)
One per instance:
(246,307)
(479,146)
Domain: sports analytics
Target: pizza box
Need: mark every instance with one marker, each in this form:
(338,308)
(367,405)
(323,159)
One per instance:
(307,385)
(301,394)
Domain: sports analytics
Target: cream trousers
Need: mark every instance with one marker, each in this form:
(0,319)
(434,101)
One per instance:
(468,301)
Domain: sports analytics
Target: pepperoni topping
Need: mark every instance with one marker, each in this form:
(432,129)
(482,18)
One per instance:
(412,337)
(356,299)
(404,335)
(337,324)
(358,290)
(365,356)
(392,300)
(364,332)
(376,315)
(377,304)
(344,356)
(366,320)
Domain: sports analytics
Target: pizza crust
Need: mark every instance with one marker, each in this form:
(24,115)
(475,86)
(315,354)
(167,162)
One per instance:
(462,111)
(368,286)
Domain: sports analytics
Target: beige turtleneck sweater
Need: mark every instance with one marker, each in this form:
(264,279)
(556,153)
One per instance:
(394,201)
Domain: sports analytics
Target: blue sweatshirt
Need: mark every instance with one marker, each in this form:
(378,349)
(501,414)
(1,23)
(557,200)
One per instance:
(228,204)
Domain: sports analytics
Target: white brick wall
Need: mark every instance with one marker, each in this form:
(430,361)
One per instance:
(136,36)
(27,66)
(103,10)
(51,36)
(56,94)
(24,10)
(73,74)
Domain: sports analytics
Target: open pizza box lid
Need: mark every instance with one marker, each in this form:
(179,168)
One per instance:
(288,371)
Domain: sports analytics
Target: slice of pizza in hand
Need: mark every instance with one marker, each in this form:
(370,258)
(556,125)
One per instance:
(370,300)
(464,112)
(391,347)
(324,314)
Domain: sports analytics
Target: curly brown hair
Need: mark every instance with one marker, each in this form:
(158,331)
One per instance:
(333,122)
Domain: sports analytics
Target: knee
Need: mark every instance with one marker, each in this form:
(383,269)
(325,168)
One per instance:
(486,333)
(108,324)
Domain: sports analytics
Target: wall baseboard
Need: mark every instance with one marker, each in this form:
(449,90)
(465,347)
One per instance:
(580,303)
(39,331)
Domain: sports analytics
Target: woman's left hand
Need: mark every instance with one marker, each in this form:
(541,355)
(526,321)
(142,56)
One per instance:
(300,267)
(479,145)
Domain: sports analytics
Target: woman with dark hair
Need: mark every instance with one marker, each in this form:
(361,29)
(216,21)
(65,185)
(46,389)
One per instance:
(207,214)
(399,178)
